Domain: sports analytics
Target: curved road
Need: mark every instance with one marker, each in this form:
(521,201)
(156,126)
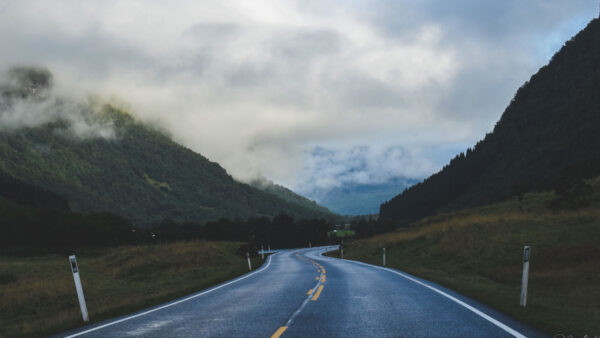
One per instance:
(299,293)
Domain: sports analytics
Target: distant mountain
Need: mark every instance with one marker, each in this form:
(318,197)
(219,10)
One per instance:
(547,137)
(287,195)
(100,159)
(361,199)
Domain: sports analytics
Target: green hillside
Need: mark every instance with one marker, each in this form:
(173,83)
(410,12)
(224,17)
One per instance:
(101,159)
(546,139)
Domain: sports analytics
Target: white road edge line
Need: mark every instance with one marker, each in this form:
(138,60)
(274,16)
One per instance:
(452,298)
(174,303)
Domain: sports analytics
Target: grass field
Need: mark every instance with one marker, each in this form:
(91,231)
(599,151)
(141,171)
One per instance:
(478,252)
(37,294)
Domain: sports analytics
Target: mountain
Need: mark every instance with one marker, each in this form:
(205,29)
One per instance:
(361,199)
(100,159)
(287,195)
(547,138)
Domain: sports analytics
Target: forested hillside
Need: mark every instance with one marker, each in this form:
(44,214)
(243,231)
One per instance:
(547,138)
(287,195)
(98,159)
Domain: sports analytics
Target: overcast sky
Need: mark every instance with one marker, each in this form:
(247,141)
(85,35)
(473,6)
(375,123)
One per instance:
(310,94)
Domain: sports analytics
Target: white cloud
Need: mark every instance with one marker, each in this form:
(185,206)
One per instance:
(258,86)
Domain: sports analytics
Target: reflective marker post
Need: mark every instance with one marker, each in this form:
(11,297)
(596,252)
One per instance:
(525,278)
(249,264)
(75,270)
(383,256)
(262,251)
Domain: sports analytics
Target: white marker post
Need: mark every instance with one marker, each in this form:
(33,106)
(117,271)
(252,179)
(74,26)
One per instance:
(341,251)
(269,248)
(75,270)
(525,278)
(249,264)
(383,256)
(262,251)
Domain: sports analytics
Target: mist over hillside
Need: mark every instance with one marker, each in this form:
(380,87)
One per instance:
(100,159)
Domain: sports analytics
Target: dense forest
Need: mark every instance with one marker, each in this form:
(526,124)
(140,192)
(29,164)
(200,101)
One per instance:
(36,218)
(33,219)
(282,231)
(99,159)
(546,139)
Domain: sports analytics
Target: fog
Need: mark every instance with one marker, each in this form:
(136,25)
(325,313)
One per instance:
(29,99)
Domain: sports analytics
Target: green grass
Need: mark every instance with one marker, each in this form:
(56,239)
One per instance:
(342,233)
(478,252)
(157,184)
(37,294)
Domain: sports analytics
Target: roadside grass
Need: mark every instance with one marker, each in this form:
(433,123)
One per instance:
(341,233)
(37,294)
(478,252)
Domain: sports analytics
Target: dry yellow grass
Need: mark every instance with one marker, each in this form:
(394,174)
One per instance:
(478,252)
(39,297)
(495,214)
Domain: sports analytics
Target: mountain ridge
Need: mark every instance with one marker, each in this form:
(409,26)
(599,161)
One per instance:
(287,194)
(546,137)
(101,159)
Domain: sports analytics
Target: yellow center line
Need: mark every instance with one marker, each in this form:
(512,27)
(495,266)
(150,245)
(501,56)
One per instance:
(310,292)
(318,293)
(323,279)
(279,332)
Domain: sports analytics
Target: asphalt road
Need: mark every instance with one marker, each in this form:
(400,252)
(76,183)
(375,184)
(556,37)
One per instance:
(299,293)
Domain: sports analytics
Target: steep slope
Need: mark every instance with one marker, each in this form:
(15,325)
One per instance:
(100,159)
(547,137)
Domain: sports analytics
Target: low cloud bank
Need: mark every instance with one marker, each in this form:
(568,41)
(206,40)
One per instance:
(28,99)
(330,168)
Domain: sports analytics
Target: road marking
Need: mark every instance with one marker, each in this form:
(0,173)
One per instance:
(289,321)
(318,293)
(310,292)
(323,279)
(279,332)
(323,270)
(452,298)
(174,303)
